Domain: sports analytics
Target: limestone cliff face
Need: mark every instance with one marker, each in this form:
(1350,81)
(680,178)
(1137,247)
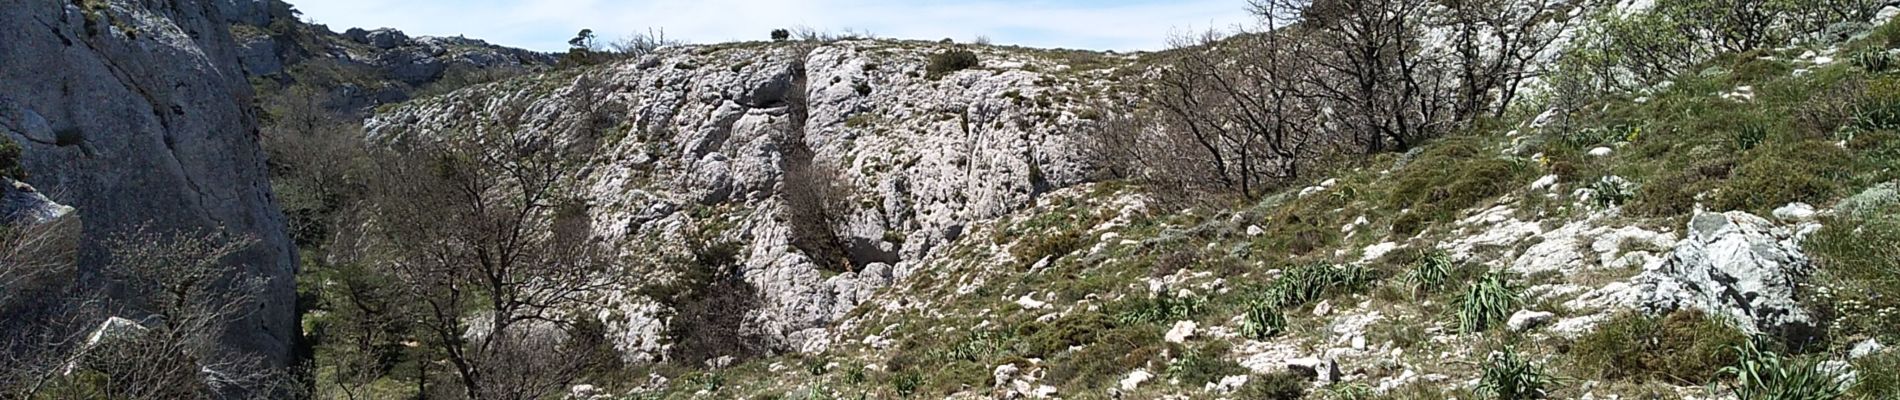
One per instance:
(698,139)
(134,113)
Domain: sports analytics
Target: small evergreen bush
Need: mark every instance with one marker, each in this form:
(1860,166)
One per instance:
(947,62)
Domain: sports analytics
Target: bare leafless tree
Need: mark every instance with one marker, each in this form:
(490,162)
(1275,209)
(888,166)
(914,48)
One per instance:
(1498,44)
(1236,114)
(472,222)
(1390,91)
(640,44)
(175,293)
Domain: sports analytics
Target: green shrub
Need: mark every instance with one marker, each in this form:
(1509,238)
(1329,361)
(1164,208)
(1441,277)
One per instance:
(1071,330)
(1683,348)
(1675,194)
(1283,385)
(951,61)
(10,160)
(907,383)
(1611,191)
(1053,246)
(1486,304)
(1448,178)
(818,366)
(1200,366)
(1809,171)
(1509,376)
(1111,355)
(1766,375)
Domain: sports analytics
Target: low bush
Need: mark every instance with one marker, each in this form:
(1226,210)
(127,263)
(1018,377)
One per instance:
(1110,356)
(1675,194)
(1448,178)
(1683,348)
(10,160)
(1075,329)
(1200,366)
(1053,246)
(944,63)
(1283,385)
(1776,174)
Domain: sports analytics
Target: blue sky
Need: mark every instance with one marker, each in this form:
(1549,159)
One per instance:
(547,24)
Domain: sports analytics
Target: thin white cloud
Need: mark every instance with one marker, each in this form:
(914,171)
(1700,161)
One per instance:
(546,24)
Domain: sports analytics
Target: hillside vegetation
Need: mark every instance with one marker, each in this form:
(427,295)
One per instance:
(1510,199)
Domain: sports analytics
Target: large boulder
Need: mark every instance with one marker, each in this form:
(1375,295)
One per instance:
(151,125)
(1733,264)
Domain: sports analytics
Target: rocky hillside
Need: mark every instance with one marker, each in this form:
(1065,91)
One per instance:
(360,69)
(696,144)
(137,115)
(1538,254)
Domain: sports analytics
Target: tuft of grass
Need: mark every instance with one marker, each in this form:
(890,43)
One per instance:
(1683,348)
(1765,375)
(1858,254)
(1486,304)
(906,384)
(1879,376)
(1510,376)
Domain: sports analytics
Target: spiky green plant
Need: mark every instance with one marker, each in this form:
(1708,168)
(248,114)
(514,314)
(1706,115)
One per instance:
(1262,321)
(818,366)
(1306,284)
(1432,269)
(1510,376)
(1159,307)
(906,384)
(1486,303)
(1766,375)
(1611,192)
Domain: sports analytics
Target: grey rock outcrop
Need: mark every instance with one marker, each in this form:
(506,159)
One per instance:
(1735,265)
(20,203)
(152,127)
(697,138)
